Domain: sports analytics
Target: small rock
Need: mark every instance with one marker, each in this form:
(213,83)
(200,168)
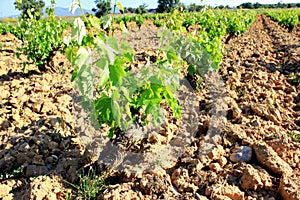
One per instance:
(237,132)
(4,94)
(38,160)
(270,159)
(224,191)
(222,161)
(276,113)
(290,89)
(50,167)
(180,178)
(36,107)
(253,179)
(122,191)
(35,170)
(50,160)
(258,109)
(289,187)
(200,197)
(256,123)
(52,145)
(45,187)
(22,158)
(236,111)
(24,147)
(241,154)
(14,101)
(5,125)
(215,167)
(156,138)
(48,107)
(15,82)
(274,129)
(216,152)
(220,197)
(55,121)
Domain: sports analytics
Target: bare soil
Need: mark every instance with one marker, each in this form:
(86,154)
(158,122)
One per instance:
(257,155)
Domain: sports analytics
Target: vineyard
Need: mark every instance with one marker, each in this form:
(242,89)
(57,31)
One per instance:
(179,105)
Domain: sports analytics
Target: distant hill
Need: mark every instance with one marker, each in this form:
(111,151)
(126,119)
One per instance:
(59,11)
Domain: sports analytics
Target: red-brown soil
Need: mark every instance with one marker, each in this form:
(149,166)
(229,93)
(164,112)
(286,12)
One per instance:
(256,157)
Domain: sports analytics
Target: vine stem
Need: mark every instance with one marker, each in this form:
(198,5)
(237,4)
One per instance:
(113,18)
(82,11)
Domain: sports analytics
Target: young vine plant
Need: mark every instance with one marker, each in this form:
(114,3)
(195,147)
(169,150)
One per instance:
(120,95)
(40,39)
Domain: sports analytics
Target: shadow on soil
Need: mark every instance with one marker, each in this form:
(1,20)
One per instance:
(289,62)
(17,75)
(36,150)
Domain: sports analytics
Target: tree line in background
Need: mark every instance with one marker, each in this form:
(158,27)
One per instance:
(104,7)
(278,5)
(169,5)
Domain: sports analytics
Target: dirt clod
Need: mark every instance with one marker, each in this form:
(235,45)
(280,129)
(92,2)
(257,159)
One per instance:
(270,159)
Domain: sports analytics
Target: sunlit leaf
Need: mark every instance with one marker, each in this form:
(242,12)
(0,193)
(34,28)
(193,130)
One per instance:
(78,30)
(117,72)
(102,64)
(123,27)
(82,57)
(95,21)
(106,21)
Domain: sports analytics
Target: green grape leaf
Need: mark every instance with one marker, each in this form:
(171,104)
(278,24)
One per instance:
(103,109)
(127,51)
(82,57)
(172,56)
(103,66)
(74,74)
(123,27)
(106,21)
(95,21)
(116,112)
(116,72)
(111,41)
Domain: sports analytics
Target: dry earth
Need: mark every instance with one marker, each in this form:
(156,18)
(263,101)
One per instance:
(256,157)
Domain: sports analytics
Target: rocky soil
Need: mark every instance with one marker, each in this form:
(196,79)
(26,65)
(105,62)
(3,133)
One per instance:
(246,149)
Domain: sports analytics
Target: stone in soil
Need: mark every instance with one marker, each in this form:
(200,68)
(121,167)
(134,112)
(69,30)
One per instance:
(241,154)
(289,187)
(224,191)
(180,178)
(255,179)
(44,187)
(270,159)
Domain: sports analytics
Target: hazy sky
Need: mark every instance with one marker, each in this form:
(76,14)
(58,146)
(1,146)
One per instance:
(7,6)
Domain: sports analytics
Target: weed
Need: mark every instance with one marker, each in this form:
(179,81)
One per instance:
(15,173)
(32,178)
(89,185)
(158,162)
(295,79)
(241,91)
(68,195)
(294,135)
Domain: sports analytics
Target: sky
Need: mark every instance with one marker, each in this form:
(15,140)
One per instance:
(7,7)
